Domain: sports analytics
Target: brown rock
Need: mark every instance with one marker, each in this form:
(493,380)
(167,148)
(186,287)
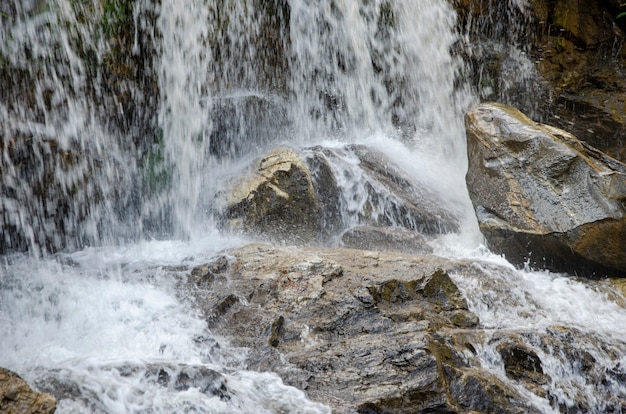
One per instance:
(277,199)
(358,330)
(403,201)
(574,76)
(521,362)
(542,196)
(16,397)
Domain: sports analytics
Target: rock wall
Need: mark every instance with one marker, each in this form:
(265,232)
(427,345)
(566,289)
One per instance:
(561,62)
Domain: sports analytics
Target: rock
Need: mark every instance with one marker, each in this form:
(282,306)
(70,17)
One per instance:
(521,363)
(361,331)
(327,189)
(276,199)
(385,238)
(183,377)
(441,290)
(395,199)
(389,332)
(569,69)
(579,51)
(205,275)
(543,197)
(463,318)
(528,355)
(618,285)
(17,397)
(314,197)
(68,386)
(361,186)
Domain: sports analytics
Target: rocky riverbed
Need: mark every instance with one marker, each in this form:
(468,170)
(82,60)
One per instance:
(373,331)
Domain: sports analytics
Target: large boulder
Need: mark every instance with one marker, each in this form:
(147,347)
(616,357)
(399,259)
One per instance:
(541,196)
(16,397)
(318,193)
(361,331)
(367,331)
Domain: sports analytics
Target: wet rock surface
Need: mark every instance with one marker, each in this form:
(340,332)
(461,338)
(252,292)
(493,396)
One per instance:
(385,238)
(276,198)
(74,394)
(543,197)
(559,61)
(16,397)
(316,195)
(370,331)
(362,331)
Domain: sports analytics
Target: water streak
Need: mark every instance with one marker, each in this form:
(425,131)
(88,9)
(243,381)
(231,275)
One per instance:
(93,157)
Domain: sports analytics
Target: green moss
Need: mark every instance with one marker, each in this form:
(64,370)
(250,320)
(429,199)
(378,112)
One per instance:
(156,173)
(276,331)
(118,16)
(441,290)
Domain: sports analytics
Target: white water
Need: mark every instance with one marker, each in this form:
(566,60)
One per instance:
(106,320)
(500,40)
(103,317)
(553,314)
(183,68)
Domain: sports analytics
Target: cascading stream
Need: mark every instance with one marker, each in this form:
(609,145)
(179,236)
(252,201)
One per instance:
(183,65)
(97,164)
(60,167)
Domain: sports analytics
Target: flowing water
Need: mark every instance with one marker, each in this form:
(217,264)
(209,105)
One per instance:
(114,143)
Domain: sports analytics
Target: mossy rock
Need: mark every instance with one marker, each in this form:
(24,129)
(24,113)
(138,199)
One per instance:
(441,290)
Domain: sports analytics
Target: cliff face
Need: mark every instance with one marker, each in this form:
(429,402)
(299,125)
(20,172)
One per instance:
(559,61)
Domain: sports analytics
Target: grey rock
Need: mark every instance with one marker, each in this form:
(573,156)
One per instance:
(361,331)
(301,198)
(543,197)
(385,238)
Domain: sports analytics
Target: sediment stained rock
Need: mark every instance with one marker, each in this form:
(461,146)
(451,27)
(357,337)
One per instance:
(542,196)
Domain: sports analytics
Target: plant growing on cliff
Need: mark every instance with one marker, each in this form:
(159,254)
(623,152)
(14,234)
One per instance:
(622,14)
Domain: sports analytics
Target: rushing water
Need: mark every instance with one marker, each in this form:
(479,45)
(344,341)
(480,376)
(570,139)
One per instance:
(119,176)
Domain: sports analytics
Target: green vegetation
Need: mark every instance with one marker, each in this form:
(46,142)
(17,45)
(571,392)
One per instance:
(118,16)
(622,14)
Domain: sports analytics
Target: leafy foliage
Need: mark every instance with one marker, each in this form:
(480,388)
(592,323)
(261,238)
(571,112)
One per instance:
(622,14)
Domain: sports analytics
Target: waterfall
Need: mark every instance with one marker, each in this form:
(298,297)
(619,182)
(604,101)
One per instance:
(355,82)
(129,128)
(183,67)
(60,166)
(121,120)
(497,45)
